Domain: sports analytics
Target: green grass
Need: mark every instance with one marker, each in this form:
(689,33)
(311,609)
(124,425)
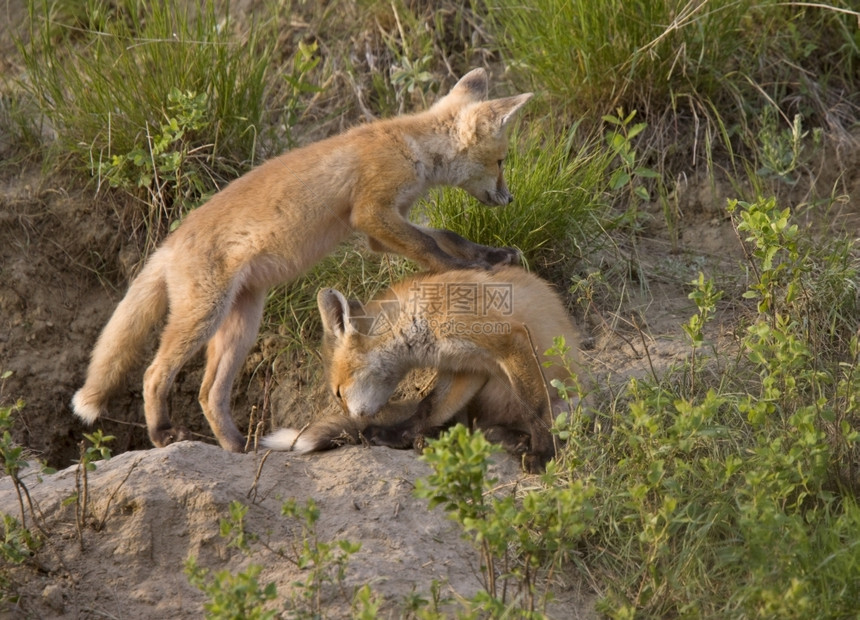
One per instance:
(173,90)
(559,182)
(699,63)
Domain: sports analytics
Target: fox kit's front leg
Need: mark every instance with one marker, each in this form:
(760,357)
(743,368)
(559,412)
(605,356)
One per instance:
(452,245)
(388,230)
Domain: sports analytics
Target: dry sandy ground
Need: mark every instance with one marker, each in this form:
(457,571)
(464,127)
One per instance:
(160,507)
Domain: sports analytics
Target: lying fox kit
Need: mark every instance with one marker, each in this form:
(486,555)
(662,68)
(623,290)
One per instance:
(210,277)
(483,331)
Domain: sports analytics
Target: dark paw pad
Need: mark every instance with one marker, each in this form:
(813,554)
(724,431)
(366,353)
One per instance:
(503,256)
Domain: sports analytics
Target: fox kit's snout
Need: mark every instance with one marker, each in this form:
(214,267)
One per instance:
(501,197)
(210,277)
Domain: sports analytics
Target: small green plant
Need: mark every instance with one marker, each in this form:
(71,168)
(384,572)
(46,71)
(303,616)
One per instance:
(18,542)
(298,84)
(232,596)
(93,449)
(324,562)
(560,354)
(243,594)
(518,538)
(780,150)
(13,456)
(705,296)
(629,174)
(415,605)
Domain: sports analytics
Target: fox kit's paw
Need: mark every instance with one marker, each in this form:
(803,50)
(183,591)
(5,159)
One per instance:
(165,436)
(503,256)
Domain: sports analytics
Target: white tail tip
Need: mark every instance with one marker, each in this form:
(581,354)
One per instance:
(87,412)
(288,439)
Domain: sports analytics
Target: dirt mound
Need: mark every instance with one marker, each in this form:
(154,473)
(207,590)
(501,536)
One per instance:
(160,507)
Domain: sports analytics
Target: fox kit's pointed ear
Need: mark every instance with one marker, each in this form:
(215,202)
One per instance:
(475,85)
(498,113)
(472,88)
(334,311)
(490,119)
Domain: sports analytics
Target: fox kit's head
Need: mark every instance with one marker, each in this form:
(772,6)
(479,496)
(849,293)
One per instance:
(361,375)
(481,129)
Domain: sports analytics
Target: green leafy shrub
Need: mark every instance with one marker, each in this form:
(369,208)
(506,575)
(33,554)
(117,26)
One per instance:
(733,497)
(518,538)
(233,596)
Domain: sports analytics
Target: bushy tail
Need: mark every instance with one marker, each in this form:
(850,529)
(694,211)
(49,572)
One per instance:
(323,434)
(119,346)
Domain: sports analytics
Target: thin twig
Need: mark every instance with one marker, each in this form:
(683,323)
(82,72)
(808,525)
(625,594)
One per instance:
(252,492)
(101,522)
(644,346)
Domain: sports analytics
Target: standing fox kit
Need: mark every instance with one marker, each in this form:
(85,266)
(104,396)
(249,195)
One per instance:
(483,331)
(210,277)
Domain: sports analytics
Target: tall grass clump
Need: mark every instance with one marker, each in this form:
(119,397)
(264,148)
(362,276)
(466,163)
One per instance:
(559,202)
(163,100)
(716,62)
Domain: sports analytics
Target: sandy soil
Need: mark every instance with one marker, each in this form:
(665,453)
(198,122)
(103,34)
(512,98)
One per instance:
(159,507)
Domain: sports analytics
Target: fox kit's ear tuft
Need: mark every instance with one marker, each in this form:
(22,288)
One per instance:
(490,119)
(334,311)
(501,111)
(472,88)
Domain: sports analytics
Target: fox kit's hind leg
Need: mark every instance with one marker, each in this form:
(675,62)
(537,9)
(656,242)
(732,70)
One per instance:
(190,322)
(224,356)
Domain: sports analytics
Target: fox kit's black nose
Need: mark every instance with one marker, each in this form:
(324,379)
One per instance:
(499,198)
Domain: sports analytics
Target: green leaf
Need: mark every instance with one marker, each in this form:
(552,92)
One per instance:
(619,179)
